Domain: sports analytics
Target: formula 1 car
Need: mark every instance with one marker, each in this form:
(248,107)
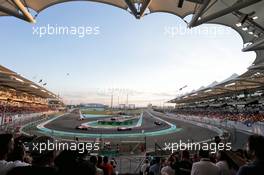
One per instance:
(124,129)
(157,123)
(82,127)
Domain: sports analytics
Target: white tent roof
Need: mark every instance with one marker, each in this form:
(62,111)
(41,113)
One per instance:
(225,12)
(244,16)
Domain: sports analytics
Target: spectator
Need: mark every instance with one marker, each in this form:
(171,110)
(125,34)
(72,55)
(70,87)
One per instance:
(46,157)
(195,158)
(144,167)
(107,167)
(222,163)
(185,165)
(71,162)
(255,148)
(99,162)
(168,170)
(163,162)
(43,162)
(156,167)
(6,146)
(204,166)
(93,160)
(65,162)
(18,154)
(84,167)
(113,163)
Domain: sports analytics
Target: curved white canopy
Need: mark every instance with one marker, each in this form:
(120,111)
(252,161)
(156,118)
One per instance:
(244,16)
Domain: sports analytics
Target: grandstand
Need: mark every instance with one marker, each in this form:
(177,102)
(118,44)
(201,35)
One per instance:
(238,98)
(21,98)
(222,113)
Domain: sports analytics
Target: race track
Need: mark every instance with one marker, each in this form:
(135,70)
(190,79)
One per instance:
(183,131)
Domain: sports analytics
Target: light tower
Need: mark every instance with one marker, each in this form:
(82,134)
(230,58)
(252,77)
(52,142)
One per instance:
(127,102)
(112,96)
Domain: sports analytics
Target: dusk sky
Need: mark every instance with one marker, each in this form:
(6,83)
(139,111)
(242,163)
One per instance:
(140,58)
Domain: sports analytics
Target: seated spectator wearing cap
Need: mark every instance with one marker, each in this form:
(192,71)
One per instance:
(6,147)
(256,149)
(204,166)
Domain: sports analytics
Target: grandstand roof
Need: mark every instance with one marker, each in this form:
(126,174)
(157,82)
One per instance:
(244,16)
(249,81)
(12,80)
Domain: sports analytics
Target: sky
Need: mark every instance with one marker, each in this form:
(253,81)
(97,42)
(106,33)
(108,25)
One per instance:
(146,60)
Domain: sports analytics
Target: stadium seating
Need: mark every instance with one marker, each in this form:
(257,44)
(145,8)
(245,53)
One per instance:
(232,116)
(15,160)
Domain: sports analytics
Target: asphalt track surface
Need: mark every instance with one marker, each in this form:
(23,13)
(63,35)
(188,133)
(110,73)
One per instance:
(188,132)
(70,121)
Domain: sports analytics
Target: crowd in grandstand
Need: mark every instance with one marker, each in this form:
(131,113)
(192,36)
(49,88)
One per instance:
(221,163)
(232,116)
(9,113)
(15,159)
(14,103)
(233,108)
(181,163)
(15,96)
(14,110)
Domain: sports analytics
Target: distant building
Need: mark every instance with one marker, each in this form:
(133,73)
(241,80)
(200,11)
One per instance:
(149,105)
(122,106)
(93,106)
(131,106)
